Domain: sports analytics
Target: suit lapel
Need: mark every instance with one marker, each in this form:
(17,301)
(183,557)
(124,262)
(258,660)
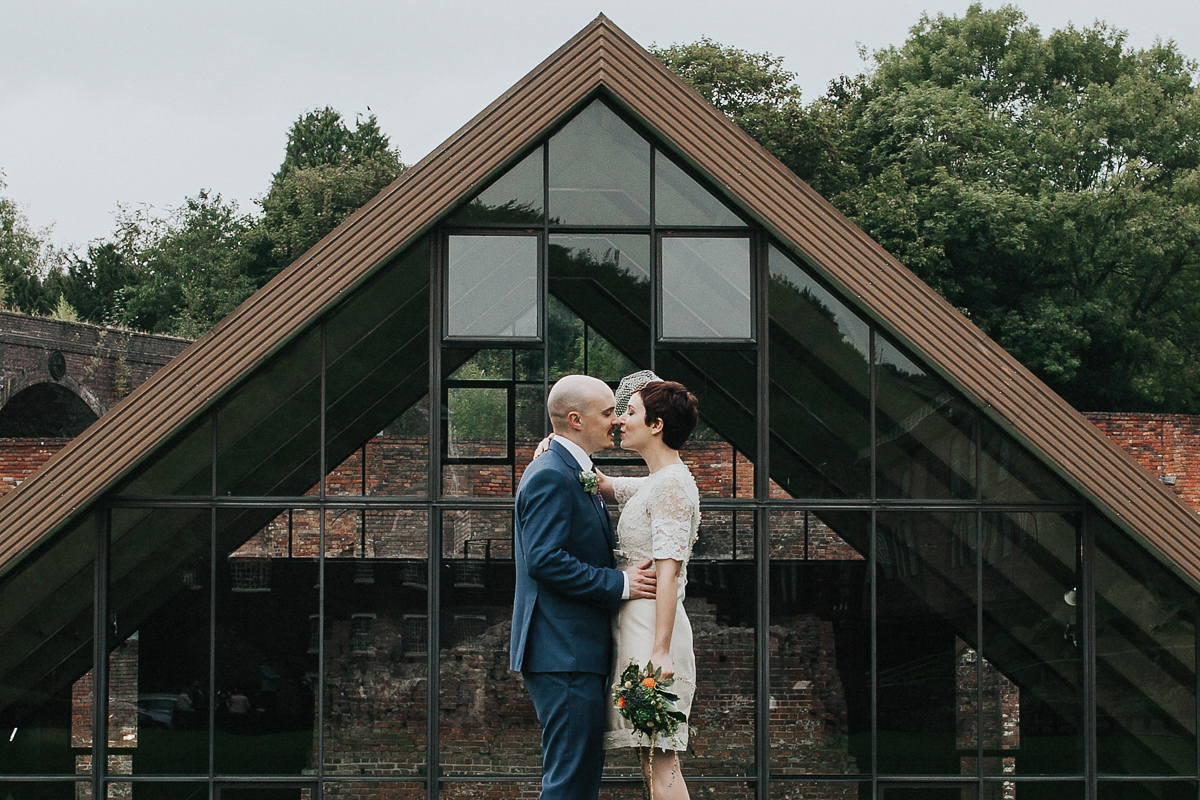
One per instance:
(597,502)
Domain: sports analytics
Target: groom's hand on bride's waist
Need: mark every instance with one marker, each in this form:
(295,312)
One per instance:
(642,580)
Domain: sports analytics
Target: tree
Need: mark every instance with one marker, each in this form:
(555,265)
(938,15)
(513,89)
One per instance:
(186,270)
(329,171)
(1049,186)
(24,257)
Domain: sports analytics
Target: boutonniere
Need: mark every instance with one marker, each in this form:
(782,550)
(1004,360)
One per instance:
(590,481)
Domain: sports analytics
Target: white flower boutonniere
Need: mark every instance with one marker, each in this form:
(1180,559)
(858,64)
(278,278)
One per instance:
(590,481)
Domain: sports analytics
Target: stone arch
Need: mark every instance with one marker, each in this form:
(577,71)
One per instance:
(54,409)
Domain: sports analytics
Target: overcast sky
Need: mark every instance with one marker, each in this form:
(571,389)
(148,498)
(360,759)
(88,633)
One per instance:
(149,101)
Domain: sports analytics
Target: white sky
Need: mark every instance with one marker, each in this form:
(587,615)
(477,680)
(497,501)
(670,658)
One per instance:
(107,102)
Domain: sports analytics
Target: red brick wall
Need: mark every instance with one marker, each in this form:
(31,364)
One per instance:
(1168,445)
(19,458)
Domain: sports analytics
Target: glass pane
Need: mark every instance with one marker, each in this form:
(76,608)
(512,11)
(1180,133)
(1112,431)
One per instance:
(1145,790)
(488,725)
(532,423)
(1145,661)
(159,596)
(925,609)
(390,790)
(723,536)
(599,171)
(514,197)
(1008,472)
(268,431)
(477,421)
(377,382)
(376,666)
(46,790)
(477,480)
(603,283)
(492,286)
(393,462)
(925,441)
(717,466)
(183,467)
(46,655)
(820,647)
(725,383)
(706,288)
(680,200)
(820,388)
(1033,644)
(266,640)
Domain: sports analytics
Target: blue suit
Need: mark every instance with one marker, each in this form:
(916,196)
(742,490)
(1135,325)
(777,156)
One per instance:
(567,589)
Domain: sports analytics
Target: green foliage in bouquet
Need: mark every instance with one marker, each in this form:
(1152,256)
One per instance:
(642,697)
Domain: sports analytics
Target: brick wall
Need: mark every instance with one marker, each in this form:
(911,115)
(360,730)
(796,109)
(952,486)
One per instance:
(19,458)
(1167,445)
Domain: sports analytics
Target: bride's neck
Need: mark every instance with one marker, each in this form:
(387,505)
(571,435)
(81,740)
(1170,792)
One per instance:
(659,456)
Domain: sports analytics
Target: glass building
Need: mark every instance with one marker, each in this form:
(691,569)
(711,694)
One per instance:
(284,569)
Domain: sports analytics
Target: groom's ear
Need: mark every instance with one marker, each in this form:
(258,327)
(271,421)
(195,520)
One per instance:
(575,420)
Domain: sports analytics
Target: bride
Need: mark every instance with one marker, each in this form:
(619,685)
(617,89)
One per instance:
(660,514)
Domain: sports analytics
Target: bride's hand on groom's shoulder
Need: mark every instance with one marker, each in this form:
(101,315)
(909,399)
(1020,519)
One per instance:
(543,445)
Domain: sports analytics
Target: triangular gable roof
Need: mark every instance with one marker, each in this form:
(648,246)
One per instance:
(602,58)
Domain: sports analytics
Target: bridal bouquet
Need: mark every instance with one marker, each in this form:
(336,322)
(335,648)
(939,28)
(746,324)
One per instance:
(641,696)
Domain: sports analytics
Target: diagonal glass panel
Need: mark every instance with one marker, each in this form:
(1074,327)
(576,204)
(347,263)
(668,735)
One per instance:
(182,467)
(706,288)
(268,431)
(514,197)
(600,304)
(680,200)
(377,383)
(820,388)
(599,171)
(491,286)
(926,605)
(1033,639)
(925,433)
(1145,661)
(1007,471)
(46,604)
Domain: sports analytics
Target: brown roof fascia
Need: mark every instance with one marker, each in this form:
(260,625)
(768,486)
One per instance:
(601,56)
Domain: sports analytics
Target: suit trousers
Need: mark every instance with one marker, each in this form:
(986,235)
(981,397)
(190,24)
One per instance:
(571,707)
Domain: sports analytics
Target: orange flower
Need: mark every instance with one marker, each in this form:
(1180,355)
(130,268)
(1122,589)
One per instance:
(649,683)
(620,702)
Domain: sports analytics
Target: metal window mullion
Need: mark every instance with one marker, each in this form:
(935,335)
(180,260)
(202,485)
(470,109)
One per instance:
(762,519)
(1087,628)
(321,565)
(212,638)
(872,558)
(979,653)
(436,321)
(100,630)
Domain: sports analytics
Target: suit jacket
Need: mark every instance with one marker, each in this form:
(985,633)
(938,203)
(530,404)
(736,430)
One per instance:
(567,583)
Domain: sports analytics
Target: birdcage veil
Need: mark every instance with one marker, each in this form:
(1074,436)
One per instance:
(630,384)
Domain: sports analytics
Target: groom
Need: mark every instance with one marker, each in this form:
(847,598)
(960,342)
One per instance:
(568,588)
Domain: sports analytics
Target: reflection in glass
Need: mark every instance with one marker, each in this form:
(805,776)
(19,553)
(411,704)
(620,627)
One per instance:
(680,200)
(44,676)
(487,724)
(377,383)
(834,790)
(390,790)
(926,604)
(1145,661)
(492,286)
(514,197)
(477,422)
(599,171)
(820,388)
(1145,790)
(268,432)
(719,469)
(375,654)
(1008,471)
(160,593)
(820,647)
(724,381)
(600,304)
(1032,637)
(705,288)
(182,467)
(266,651)
(925,434)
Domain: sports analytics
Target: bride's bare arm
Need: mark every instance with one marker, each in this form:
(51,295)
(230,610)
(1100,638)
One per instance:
(664,614)
(605,486)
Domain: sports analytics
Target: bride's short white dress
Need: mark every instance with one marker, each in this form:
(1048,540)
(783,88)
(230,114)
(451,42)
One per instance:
(660,515)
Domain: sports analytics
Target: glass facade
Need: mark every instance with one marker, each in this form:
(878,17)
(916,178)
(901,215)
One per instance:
(307,591)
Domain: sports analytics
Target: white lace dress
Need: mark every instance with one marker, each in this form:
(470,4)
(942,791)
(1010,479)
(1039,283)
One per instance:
(660,515)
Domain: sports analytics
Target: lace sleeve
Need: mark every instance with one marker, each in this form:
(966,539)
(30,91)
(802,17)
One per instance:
(672,519)
(624,488)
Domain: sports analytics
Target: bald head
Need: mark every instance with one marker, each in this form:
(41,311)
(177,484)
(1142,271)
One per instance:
(581,408)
